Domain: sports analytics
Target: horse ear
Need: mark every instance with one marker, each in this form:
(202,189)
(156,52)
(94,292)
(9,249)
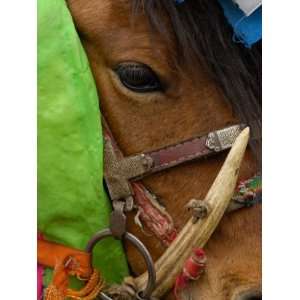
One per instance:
(197,234)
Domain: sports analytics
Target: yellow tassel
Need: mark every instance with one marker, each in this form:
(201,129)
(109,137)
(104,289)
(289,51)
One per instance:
(90,290)
(52,293)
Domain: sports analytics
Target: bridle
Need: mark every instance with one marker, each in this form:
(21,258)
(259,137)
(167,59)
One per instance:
(122,175)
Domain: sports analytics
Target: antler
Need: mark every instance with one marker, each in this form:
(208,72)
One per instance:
(197,234)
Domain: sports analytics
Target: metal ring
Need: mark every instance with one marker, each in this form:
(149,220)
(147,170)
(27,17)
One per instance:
(140,247)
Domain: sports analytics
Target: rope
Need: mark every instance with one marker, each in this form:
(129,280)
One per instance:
(57,289)
(90,291)
(53,293)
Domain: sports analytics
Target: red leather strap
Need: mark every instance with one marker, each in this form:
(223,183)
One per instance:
(185,151)
(173,155)
(195,148)
(150,213)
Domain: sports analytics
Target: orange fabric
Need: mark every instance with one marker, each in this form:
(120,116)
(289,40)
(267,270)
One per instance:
(58,287)
(68,261)
(72,261)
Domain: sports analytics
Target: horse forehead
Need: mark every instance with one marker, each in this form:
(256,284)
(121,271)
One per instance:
(106,17)
(99,15)
(111,24)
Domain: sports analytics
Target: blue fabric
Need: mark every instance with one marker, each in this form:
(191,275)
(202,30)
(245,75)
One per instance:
(247,30)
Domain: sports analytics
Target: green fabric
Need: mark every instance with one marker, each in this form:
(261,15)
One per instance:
(72,204)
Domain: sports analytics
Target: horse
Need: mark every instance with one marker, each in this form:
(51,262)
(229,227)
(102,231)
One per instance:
(166,73)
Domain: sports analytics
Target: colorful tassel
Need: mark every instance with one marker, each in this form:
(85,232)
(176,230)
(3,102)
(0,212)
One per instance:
(249,191)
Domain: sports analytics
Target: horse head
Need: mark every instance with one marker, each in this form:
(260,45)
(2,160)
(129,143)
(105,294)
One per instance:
(156,89)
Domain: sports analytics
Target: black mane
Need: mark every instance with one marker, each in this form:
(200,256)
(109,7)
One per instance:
(204,37)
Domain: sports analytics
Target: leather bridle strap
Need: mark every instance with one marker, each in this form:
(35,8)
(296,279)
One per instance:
(119,170)
(121,174)
(195,148)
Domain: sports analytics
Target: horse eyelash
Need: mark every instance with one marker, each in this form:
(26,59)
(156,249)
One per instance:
(133,71)
(138,72)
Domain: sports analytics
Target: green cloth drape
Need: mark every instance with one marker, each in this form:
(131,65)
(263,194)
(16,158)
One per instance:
(72,204)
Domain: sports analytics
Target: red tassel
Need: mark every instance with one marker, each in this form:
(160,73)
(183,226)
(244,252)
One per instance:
(192,270)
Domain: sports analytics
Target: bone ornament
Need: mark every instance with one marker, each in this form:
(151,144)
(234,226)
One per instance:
(196,234)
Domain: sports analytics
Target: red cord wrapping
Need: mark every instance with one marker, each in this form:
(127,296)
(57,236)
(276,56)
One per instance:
(192,270)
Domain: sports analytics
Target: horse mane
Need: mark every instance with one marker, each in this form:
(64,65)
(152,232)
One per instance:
(204,37)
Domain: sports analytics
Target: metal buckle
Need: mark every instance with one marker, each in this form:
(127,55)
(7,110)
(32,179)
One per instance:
(118,219)
(222,139)
(145,294)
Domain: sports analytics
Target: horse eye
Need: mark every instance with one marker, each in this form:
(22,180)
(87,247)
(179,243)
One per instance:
(138,77)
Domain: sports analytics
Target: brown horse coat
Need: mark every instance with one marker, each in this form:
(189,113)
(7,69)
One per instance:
(190,104)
